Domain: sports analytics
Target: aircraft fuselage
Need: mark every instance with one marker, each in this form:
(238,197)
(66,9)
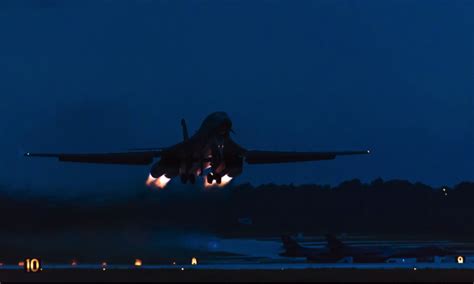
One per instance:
(210,147)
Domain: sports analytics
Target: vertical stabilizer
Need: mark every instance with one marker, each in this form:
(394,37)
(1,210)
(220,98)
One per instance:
(289,243)
(185,130)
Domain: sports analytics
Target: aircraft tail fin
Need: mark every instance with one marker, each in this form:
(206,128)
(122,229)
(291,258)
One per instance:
(333,243)
(185,130)
(289,243)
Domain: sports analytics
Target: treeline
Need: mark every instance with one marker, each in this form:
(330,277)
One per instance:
(380,207)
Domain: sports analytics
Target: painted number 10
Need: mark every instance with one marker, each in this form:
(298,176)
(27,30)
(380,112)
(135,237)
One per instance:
(32,265)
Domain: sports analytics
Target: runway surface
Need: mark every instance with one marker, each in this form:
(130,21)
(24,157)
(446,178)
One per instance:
(254,266)
(246,259)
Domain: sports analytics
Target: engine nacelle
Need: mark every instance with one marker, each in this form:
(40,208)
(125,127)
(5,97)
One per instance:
(234,166)
(158,169)
(233,172)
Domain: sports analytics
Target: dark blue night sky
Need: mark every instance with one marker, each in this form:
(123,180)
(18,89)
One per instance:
(396,77)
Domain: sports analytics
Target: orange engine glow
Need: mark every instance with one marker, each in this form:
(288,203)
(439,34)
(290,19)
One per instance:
(157,182)
(224,181)
(138,262)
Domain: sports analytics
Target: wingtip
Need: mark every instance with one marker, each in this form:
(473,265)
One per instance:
(27,154)
(368,151)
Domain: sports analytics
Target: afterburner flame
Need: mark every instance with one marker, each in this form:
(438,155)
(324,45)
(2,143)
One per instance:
(224,181)
(157,182)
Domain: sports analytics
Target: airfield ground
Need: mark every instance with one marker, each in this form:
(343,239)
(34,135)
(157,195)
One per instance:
(293,275)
